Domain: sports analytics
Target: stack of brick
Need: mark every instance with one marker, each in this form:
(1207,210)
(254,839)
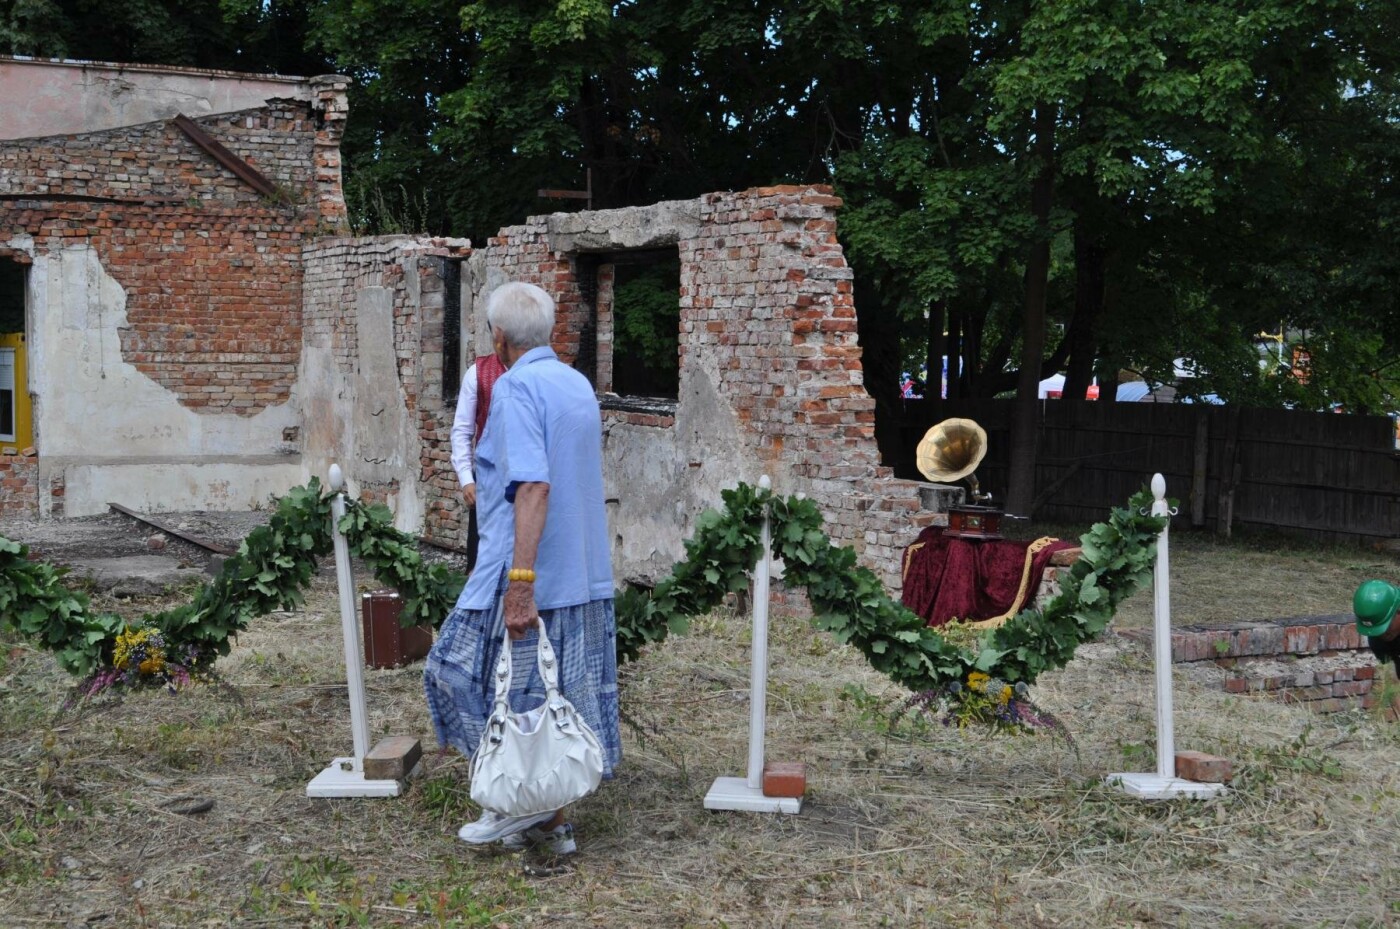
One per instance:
(1320,662)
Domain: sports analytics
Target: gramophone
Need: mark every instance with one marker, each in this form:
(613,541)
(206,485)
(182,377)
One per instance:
(951,451)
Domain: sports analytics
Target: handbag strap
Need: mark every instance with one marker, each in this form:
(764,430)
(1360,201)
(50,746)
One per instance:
(545,660)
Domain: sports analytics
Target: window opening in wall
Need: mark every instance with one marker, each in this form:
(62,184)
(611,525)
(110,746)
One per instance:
(646,324)
(15,430)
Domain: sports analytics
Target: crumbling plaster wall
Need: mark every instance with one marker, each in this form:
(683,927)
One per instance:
(770,375)
(371,375)
(108,432)
(164,304)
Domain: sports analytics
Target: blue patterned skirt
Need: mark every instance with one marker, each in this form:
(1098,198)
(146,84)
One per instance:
(459,675)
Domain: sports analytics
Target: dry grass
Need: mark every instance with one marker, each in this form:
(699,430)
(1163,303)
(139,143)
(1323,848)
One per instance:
(920,826)
(1258,576)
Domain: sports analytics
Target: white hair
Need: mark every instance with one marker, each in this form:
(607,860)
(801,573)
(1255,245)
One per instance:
(523,313)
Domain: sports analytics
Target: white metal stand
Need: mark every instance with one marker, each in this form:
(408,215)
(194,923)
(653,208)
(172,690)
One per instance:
(746,794)
(345,777)
(1164,784)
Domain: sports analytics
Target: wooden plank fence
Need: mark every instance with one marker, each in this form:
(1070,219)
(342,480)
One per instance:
(1328,476)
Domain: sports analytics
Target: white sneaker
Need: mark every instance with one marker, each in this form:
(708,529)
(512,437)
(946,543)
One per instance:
(492,826)
(556,842)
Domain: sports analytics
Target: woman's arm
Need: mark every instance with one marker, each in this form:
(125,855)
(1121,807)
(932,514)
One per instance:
(463,431)
(531,504)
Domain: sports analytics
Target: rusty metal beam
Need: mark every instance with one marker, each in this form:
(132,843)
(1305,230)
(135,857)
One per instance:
(244,171)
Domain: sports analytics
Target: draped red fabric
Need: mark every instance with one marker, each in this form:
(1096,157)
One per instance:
(949,578)
(488,370)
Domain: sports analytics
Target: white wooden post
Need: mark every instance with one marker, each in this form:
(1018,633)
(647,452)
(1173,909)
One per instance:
(345,777)
(740,793)
(758,667)
(1162,633)
(1164,785)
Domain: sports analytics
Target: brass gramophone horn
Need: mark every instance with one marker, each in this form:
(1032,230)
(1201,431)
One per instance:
(951,451)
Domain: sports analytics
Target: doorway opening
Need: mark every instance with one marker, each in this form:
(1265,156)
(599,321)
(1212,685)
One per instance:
(16,426)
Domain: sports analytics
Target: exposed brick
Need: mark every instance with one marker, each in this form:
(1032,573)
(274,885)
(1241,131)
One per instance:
(784,779)
(1351,688)
(1207,769)
(392,758)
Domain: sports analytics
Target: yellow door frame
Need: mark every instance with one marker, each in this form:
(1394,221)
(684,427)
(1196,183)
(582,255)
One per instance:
(24,414)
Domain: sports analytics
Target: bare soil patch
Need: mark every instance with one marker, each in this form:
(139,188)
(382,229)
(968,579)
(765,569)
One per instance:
(912,825)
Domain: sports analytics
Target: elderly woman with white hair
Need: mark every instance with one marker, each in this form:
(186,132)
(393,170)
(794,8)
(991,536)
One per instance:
(544,549)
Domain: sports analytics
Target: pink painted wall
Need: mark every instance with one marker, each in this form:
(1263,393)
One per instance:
(46,97)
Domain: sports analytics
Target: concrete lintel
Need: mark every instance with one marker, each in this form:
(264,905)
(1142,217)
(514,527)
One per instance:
(657,226)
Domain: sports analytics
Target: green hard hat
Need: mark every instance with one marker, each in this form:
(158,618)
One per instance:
(1374,606)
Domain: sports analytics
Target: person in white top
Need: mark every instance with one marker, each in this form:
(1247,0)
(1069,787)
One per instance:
(464,434)
(469,421)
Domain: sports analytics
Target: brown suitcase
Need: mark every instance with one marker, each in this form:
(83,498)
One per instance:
(387,644)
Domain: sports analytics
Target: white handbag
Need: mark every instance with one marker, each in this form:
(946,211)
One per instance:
(538,761)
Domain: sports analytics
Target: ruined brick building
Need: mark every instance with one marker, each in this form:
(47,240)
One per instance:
(190,327)
(151,228)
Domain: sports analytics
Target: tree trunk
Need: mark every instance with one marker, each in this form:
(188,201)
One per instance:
(1089,258)
(1025,419)
(937,348)
(974,324)
(954,353)
(880,359)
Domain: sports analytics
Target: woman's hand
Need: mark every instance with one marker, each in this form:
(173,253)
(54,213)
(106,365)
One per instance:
(521,614)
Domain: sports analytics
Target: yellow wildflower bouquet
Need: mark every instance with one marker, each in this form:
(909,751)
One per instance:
(140,657)
(983,700)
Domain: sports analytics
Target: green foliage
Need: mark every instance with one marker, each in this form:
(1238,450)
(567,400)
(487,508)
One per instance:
(244,35)
(849,601)
(1301,757)
(35,603)
(428,591)
(273,566)
(646,322)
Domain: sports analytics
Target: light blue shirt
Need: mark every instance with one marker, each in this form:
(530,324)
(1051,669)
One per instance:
(544,425)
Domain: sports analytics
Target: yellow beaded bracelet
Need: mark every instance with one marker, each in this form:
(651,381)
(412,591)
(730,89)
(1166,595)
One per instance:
(521,574)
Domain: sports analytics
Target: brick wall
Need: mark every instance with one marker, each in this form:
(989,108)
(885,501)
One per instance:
(522,253)
(211,269)
(766,313)
(19,484)
(169,264)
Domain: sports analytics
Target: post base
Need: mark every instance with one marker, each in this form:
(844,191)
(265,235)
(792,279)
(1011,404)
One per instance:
(734,793)
(340,779)
(1157,787)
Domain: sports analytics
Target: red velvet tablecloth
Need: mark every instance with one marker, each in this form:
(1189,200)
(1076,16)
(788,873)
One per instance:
(950,578)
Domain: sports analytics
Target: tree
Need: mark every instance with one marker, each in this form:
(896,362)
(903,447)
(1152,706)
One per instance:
(240,35)
(1086,186)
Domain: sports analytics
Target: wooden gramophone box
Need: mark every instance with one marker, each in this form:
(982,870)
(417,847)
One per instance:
(973,522)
